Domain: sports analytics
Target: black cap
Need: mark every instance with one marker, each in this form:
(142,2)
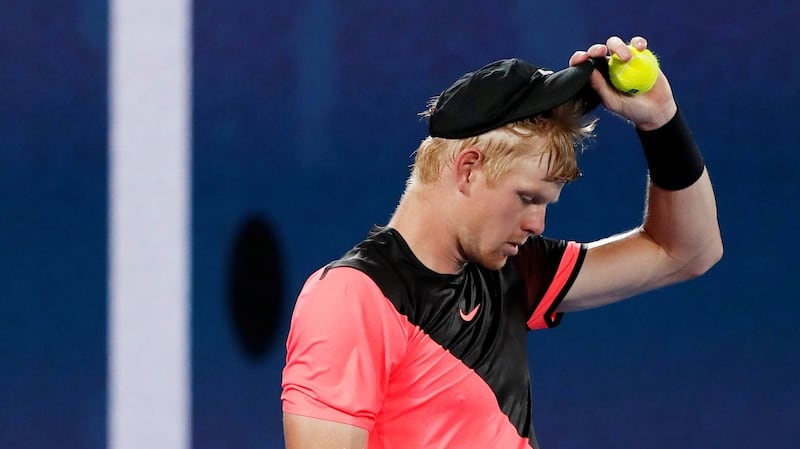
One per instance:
(506,91)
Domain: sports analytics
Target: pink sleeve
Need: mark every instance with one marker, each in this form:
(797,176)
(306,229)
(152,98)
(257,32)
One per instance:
(344,340)
(545,315)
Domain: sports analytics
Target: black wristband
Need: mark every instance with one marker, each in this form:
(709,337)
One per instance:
(672,155)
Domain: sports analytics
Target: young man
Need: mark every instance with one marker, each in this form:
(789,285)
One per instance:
(416,338)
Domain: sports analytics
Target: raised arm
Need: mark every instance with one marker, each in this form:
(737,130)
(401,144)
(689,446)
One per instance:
(679,237)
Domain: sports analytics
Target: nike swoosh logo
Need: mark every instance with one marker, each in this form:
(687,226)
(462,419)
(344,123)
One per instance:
(469,316)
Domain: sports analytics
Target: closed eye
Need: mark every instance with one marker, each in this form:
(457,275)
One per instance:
(528,198)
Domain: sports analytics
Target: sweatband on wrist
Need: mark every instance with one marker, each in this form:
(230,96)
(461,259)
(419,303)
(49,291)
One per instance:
(672,155)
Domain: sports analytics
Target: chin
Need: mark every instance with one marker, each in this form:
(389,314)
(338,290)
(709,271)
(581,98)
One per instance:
(493,263)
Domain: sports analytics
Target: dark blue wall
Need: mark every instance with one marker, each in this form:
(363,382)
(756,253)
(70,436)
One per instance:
(304,116)
(53,224)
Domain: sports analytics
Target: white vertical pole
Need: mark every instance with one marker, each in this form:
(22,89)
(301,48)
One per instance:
(149,190)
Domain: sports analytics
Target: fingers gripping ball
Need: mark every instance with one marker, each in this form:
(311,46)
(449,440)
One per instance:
(636,76)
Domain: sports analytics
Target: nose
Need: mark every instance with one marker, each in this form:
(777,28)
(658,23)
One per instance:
(533,221)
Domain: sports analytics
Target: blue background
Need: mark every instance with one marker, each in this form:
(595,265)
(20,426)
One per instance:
(305,116)
(53,226)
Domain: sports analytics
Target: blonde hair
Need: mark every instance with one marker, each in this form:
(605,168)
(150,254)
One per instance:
(562,132)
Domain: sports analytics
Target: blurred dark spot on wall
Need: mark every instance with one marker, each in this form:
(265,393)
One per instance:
(256,285)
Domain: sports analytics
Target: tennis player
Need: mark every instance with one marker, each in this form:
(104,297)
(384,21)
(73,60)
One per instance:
(416,338)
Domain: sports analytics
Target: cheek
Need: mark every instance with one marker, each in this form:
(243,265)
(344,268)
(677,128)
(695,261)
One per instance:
(507,213)
(494,216)
(500,224)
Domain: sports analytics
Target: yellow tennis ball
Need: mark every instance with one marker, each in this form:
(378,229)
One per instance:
(636,76)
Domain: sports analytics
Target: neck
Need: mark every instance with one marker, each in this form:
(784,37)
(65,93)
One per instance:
(423,218)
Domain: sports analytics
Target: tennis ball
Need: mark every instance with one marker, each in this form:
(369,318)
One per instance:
(636,76)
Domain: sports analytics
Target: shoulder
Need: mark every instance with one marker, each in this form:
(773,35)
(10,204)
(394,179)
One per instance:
(331,288)
(387,261)
(548,255)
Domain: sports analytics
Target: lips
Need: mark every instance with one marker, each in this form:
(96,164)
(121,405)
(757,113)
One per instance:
(511,248)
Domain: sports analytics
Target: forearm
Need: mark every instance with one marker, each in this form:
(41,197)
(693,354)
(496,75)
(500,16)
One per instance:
(681,213)
(684,224)
(679,239)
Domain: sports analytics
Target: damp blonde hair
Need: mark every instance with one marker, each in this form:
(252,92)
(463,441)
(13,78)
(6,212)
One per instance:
(562,132)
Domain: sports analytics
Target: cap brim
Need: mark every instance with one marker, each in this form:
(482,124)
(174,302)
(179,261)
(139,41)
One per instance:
(557,89)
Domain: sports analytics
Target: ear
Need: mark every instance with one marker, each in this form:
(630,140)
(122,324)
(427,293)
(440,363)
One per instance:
(466,164)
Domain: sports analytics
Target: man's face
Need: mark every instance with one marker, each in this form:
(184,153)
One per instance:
(502,216)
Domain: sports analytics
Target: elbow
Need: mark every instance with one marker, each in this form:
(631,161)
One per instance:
(704,260)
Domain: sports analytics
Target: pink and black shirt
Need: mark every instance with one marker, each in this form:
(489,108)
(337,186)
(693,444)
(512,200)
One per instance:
(421,359)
